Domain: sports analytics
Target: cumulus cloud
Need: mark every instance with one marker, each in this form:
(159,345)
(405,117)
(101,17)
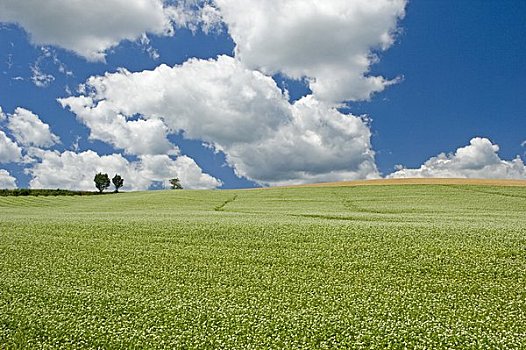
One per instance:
(160,168)
(210,100)
(331,42)
(2,115)
(232,104)
(137,137)
(70,170)
(479,159)
(209,18)
(319,144)
(6,180)
(197,14)
(90,27)
(29,130)
(9,150)
(235,110)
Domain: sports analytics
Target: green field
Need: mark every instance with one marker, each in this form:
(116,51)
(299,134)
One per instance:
(416,266)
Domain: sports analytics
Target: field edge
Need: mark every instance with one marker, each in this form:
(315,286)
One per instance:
(414,181)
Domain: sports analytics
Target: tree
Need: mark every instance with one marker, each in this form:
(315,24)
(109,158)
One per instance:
(102,181)
(118,182)
(176,184)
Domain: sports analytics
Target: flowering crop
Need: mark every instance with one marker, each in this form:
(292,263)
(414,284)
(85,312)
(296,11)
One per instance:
(416,266)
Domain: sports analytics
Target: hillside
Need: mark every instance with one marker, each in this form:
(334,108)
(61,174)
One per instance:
(420,181)
(429,266)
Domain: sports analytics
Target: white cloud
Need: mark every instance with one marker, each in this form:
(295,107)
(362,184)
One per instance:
(319,144)
(210,18)
(145,42)
(161,168)
(225,102)
(40,78)
(479,159)
(70,170)
(331,42)
(236,110)
(29,130)
(90,27)
(197,14)
(9,151)
(137,137)
(209,100)
(2,115)
(6,180)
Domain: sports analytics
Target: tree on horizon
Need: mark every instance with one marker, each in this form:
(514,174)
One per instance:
(176,184)
(102,181)
(118,182)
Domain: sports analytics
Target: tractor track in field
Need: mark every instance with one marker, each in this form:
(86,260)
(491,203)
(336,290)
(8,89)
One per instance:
(496,193)
(352,206)
(222,206)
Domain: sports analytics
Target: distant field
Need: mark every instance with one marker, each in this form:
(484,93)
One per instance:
(417,266)
(420,181)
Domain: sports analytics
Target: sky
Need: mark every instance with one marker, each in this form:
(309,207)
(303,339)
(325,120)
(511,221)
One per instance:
(250,93)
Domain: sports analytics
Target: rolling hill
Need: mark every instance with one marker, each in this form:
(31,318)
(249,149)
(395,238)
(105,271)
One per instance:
(440,265)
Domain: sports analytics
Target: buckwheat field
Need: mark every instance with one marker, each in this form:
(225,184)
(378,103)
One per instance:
(387,267)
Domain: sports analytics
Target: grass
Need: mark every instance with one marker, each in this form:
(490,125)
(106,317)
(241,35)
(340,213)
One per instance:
(416,266)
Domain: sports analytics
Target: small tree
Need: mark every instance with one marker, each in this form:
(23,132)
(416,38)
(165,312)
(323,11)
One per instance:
(102,181)
(176,184)
(118,182)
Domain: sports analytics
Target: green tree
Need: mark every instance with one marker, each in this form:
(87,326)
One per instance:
(102,181)
(176,184)
(118,182)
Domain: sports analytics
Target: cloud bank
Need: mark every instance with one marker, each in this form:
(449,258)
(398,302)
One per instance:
(479,159)
(70,170)
(6,180)
(331,42)
(90,27)
(232,104)
(75,171)
(235,110)
(9,150)
(29,130)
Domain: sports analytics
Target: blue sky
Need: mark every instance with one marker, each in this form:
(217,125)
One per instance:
(242,96)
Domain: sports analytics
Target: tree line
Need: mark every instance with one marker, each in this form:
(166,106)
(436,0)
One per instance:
(42,192)
(102,182)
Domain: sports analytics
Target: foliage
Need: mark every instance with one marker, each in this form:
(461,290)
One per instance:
(176,184)
(42,192)
(102,181)
(118,182)
(386,267)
